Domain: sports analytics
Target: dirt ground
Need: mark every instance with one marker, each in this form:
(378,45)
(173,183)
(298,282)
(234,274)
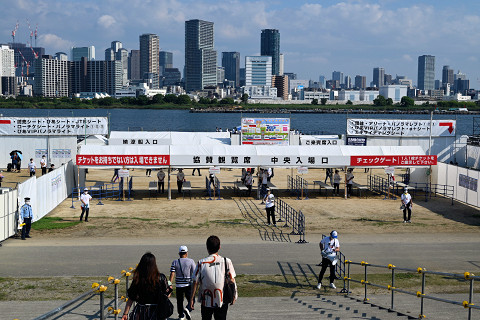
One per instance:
(159,217)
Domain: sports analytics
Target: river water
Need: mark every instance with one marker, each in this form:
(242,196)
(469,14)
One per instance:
(183,120)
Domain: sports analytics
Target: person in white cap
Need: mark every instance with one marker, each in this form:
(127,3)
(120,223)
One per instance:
(182,269)
(329,247)
(85,199)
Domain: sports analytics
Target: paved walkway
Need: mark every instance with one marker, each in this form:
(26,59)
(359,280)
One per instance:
(300,307)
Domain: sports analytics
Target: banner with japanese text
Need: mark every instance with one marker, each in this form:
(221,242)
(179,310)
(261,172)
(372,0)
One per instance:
(265,131)
(123,160)
(400,128)
(54,126)
(392,161)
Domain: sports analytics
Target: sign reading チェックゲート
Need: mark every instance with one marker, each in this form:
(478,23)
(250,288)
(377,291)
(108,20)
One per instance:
(123,160)
(392,161)
(400,128)
(265,131)
(53,126)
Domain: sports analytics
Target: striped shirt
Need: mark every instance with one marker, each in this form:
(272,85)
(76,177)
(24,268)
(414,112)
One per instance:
(183,275)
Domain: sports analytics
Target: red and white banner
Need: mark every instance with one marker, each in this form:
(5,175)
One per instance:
(392,161)
(123,160)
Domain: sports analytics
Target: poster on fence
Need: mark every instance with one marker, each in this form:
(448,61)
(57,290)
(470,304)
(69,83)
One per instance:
(400,128)
(265,131)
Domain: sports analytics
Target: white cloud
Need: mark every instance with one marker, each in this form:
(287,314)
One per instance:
(54,42)
(407,57)
(106,21)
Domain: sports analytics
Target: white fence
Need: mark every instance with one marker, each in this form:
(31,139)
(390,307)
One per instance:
(465,182)
(8,209)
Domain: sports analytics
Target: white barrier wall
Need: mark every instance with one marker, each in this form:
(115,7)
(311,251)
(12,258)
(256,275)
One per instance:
(48,191)
(8,209)
(473,156)
(465,182)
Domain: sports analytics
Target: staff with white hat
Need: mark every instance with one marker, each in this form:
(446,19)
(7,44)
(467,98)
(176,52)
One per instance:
(329,247)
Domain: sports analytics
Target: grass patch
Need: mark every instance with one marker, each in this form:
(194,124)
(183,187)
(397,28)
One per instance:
(53,223)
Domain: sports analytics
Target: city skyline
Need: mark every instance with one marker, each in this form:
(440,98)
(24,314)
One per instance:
(391,34)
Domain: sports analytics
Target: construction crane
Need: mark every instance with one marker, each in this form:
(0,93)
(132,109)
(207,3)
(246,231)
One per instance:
(14,31)
(36,34)
(31,32)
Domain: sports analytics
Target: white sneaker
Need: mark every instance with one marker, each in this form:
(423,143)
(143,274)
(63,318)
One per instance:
(319,286)
(332,285)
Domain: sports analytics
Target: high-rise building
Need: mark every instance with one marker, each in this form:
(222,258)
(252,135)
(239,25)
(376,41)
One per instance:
(231,63)
(338,76)
(270,46)
(95,76)
(51,77)
(360,82)
(220,74)
(258,71)
(134,65)
(25,57)
(122,56)
(322,80)
(61,56)
(447,75)
(426,72)
(109,54)
(171,76)
(378,77)
(7,70)
(242,77)
(387,79)
(281,69)
(200,55)
(79,52)
(116,45)
(348,82)
(149,54)
(165,60)
(281,83)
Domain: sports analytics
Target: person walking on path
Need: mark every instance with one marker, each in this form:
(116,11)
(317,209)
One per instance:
(336,183)
(148,285)
(329,246)
(161,180)
(182,269)
(198,169)
(349,180)
(329,175)
(32,167)
(270,207)
(115,175)
(210,276)
(43,165)
(180,179)
(148,172)
(26,213)
(407,205)
(85,199)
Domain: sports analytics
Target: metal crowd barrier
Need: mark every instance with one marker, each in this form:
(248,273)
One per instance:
(292,218)
(98,289)
(420,294)
(209,189)
(297,186)
(107,191)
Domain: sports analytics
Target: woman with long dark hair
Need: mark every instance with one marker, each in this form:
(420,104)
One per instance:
(148,286)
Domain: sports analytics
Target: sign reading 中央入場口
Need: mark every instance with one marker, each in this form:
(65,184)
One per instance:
(265,131)
(53,126)
(390,161)
(400,128)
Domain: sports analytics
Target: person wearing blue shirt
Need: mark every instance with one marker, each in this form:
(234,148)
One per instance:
(26,213)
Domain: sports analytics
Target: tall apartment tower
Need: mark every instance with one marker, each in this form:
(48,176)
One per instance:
(426,72)
(447,75)
(360,82)
(270,46)
(134,65)
(79,52)
(7,70)
(200,55)
(378,77)
(338,76)
(51,77)
(258,71)
(231,63)
(149,54)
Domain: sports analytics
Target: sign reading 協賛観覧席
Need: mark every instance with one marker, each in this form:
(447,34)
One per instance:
(265,131)
(123,160)
(391,161)
(400,128)
(53,126)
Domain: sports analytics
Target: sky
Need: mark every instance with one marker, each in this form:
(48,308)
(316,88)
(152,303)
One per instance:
(316,37)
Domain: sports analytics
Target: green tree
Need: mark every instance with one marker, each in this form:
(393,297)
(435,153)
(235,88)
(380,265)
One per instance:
(380,101)
(389,102)
(183,99)
(157,99)
(323,101)
(142,100)
(204,100)
(315,102)
(349,102)
(170,98)
(407,102)
(227,101)
(245,98)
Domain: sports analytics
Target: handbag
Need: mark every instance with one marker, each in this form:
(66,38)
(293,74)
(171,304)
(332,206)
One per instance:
(228,286)
(165,306)
(402,207)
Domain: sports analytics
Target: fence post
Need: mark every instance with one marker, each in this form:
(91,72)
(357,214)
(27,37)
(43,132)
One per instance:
(348,278)
(116,282)
(470,300)
(73,192)
(365,299)
(392,305)
(421,298)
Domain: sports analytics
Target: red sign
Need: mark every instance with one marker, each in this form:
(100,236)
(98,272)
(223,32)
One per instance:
(123,160)
(447,124)
(392,161)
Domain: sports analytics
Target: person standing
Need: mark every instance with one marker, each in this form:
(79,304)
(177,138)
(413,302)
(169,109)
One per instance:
(407,206)
(336,183)
(270,207)
(248,182)
(1,177)
(161,180)
(182,269)
(198,169)
(264,179)
(329,175)
(43,164)
(329,246)
(148,285)
(349,180)
(180,179)
(209,277)
(85,199)
(148,172)
(32,167)
(26,213)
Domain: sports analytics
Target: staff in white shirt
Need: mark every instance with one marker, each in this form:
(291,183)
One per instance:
(43,164)
(407,206)
(85,199)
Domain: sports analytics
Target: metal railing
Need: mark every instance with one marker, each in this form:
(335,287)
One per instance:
(107,191)
(297,186)
(292,218)
(393,288)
